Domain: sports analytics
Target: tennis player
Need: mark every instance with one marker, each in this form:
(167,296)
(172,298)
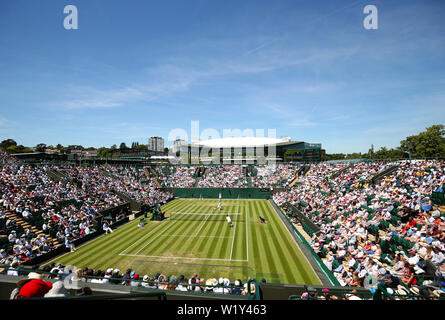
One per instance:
(229,221)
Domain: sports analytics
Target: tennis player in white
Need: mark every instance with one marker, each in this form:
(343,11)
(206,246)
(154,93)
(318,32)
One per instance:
(229,221)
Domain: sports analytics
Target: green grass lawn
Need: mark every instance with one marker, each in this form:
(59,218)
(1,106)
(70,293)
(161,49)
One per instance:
(201,241)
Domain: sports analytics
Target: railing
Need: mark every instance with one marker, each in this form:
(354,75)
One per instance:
(380,293)
(252,292)
(339,293)
(339,172)
(134,294)
(56,176)
(302,218)
(306,169)
(134,205)
(384,173)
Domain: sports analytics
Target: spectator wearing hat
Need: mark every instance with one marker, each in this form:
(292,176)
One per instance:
(69,245)
(58,290)
(12,237)
(162,282)
(151,282)
(182,285)
(426,204)
(116,277)
(437,257)
(223,286)
(98,277)
(136,281)
(127,277)
(238,287)
(144,282)
(401,290)
(33,287)
(13,269)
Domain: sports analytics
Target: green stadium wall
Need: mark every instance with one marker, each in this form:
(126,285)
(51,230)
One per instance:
(226,193)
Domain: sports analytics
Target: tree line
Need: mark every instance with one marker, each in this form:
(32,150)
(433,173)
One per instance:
(427,144)
(11,147)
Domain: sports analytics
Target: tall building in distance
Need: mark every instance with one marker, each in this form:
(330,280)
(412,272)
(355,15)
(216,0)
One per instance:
(177,144)
(156,144)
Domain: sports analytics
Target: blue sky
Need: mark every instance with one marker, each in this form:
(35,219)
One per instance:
(135,69)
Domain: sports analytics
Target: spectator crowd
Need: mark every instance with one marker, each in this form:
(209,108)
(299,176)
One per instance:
(368,232)
(384,232)
(69,280)
(224,176)
(63,209)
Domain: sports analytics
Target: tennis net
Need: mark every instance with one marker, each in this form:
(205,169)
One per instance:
(191,216)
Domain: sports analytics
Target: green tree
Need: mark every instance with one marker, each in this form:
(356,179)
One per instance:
(103,152)
(141,147)
(11,149)
(41,147)
(429,143)
(7,143)
(335,156)
(74,147)
(22,149)
(354,155)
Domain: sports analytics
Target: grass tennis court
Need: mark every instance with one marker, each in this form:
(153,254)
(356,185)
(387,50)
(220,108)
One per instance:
(196,238)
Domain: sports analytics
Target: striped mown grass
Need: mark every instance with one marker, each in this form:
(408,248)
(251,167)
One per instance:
(201,241)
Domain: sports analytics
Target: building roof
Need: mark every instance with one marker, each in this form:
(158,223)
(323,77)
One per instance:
(234,142)
(162,157)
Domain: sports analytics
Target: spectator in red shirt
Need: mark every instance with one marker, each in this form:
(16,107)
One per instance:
(410,224)
(36,288)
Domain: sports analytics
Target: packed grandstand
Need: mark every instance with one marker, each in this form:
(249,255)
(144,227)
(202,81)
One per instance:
(372,224)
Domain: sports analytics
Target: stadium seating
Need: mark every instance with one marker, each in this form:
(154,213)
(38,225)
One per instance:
(362,219)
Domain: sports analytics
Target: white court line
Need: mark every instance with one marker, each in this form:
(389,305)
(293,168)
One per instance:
(247,235)
(189,258)
(146,235)
(202,225)
(156,237)
(188,235)
(208,213)
(233,240)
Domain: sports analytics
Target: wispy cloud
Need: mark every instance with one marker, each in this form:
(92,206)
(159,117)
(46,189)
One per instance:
(6,123)
(169,79)
(8,127)
(3,122)
(302,123)
(90,97)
